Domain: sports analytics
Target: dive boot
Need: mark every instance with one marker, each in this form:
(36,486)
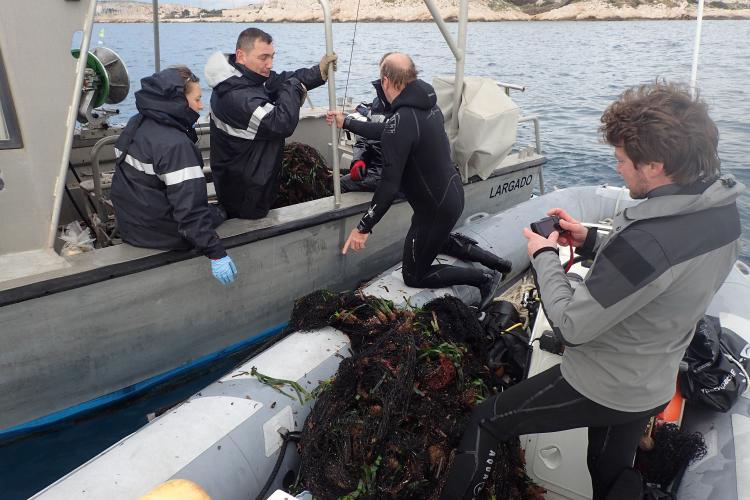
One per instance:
(465,248)
(488,288)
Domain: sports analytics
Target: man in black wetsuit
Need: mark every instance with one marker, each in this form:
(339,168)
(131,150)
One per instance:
(417,161)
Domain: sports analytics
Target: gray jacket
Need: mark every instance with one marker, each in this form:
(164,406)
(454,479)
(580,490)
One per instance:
(626,327)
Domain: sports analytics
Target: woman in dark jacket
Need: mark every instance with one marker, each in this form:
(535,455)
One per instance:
(158,190)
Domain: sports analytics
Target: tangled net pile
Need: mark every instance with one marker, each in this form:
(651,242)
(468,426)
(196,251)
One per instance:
(386,425)
(304,175)
(673,450)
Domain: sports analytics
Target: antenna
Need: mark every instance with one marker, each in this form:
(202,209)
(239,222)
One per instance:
(351,55)
(696,49)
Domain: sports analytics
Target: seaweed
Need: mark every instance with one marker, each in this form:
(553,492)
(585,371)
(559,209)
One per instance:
(388,423)
(304,176)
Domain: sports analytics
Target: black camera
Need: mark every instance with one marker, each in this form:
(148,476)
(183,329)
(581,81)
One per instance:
(546,226)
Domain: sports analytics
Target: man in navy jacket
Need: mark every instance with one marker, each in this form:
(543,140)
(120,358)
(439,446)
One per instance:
(253,109)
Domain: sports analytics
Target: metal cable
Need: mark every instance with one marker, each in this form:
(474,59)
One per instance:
(351,55)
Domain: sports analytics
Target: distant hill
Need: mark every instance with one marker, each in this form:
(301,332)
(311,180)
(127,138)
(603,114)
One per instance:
(415,10)
(132,11)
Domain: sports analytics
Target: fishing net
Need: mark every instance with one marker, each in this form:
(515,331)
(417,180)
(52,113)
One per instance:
(314,310)
(386,425)
(304,175)
(673,450)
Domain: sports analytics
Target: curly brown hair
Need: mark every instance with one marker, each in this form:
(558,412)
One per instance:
(661,122)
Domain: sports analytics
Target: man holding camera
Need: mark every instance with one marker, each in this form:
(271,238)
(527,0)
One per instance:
(626,327)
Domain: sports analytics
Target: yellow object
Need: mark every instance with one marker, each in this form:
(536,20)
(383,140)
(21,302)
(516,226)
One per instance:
(177,489)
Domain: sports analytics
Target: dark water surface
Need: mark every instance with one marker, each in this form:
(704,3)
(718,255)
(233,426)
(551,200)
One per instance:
(572,71)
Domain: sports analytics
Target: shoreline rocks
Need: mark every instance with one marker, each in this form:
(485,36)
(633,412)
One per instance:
(309,11)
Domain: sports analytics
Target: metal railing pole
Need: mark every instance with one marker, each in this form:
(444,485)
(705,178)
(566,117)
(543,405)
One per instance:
(696,49)
(157,51)
(96,173)
(458,87)
(59,189)
(332,103)
(534,119)
(459,52)
(443,27)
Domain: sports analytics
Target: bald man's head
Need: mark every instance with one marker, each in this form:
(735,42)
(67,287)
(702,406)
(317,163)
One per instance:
(399,69)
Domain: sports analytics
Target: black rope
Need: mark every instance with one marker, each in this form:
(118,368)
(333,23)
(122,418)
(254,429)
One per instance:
(286,438)
(351,54)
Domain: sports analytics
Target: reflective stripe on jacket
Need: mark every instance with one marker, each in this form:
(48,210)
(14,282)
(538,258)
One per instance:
(158,190)
(251,115)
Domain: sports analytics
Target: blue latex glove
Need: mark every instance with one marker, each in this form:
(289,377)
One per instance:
(224,269)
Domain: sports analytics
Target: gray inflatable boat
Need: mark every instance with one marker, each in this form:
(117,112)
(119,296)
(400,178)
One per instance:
(226,437)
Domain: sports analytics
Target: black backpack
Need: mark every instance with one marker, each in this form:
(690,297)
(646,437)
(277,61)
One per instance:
(714,371)
(509,356)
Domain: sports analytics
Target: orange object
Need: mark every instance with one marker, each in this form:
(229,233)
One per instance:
(177,489)
(673,412)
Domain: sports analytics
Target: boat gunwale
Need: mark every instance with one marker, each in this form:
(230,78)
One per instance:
(73,277)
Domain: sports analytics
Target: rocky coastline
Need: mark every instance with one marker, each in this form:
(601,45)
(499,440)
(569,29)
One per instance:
(416,11)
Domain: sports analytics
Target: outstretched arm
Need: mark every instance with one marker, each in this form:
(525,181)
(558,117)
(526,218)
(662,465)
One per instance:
(368,130)
(397,140)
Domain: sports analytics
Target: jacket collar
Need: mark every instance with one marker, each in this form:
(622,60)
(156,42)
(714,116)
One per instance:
(673,199)
(223,73)
(253,77)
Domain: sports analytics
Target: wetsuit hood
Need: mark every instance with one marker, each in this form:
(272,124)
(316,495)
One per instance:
(162,98)
(417,94)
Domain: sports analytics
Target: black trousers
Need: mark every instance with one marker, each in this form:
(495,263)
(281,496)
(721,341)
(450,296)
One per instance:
(546,403)
(428,235)
(369,183)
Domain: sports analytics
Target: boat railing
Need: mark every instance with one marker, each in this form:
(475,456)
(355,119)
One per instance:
(96,175)
(534,119)
(507,87)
